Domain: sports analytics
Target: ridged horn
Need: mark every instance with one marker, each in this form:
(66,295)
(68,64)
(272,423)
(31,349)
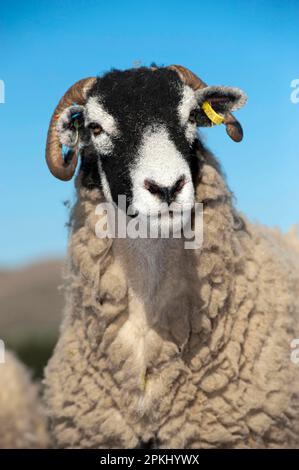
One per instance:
(61,169)
(233,127)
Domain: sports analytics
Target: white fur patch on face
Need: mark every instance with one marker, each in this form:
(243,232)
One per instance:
(187,104)
(96,113)
(103,143)
(160,161)
(105,185)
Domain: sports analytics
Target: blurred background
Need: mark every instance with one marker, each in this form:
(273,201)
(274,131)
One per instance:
(47,46)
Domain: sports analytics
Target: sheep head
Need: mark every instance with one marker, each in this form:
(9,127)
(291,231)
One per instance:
(137,130)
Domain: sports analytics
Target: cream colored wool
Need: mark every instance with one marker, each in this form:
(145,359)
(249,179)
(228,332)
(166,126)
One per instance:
(22,423)
(180,348)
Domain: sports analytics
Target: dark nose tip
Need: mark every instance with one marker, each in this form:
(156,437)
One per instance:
(165,193)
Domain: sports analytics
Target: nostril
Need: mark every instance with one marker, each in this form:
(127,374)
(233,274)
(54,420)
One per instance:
(165,193)
(178,186)
(152,187)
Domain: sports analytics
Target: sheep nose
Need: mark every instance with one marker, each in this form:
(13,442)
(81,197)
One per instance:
(165,193)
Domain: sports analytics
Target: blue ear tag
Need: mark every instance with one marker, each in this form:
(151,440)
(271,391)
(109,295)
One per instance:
(74,116)
(67,154)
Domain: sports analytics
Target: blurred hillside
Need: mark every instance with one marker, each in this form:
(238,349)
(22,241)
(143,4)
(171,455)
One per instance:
(31,303)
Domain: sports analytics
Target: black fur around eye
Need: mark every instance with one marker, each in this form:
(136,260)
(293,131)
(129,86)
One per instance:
(194,116)
(95,128)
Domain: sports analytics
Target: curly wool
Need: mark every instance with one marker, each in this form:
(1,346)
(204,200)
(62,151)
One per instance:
(22,422)
(199,360)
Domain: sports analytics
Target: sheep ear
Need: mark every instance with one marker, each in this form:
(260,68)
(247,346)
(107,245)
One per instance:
(220,99)
(69,124)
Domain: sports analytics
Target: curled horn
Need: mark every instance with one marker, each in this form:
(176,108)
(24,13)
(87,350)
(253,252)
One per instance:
(64,170)
(233,127)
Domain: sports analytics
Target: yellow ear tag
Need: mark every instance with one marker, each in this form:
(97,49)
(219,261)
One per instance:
(212,115)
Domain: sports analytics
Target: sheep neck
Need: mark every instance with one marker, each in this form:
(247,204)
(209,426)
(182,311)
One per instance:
(178,293)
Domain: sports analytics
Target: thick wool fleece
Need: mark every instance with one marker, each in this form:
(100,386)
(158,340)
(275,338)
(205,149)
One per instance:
(180,348)
(22,423)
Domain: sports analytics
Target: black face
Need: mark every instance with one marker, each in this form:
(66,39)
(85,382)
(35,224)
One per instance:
(137,134)
(139,101)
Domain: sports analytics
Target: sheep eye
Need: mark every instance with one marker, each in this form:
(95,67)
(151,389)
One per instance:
(194,116)
(95,128)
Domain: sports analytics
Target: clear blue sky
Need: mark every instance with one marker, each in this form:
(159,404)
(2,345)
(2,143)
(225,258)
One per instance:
(48,45)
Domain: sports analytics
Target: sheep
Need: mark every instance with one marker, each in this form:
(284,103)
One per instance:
(160,346)
(22,420)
